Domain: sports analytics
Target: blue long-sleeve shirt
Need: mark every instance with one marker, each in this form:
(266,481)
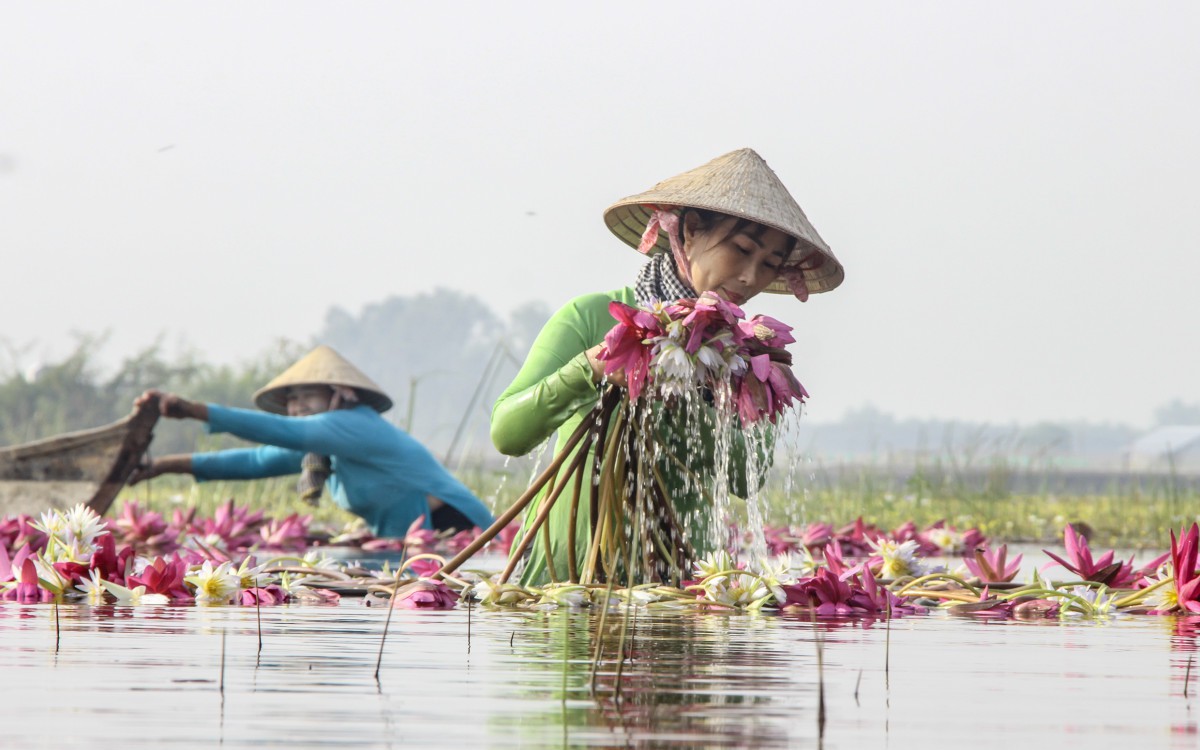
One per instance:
(380,472)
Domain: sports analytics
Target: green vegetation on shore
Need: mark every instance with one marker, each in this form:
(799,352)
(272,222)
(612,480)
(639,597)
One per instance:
(1135,518)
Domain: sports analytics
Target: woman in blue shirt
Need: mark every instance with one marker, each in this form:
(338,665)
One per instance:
(322,419)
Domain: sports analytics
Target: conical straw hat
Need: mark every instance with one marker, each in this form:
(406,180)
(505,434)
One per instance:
(321,366)
(737,184)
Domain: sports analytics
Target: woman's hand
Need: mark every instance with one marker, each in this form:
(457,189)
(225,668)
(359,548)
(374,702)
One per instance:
(617,378)
(177,464)
(174,406)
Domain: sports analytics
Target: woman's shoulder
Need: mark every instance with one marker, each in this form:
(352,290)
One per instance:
(596,303)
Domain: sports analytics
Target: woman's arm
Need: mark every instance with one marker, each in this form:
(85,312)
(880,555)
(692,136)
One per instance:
(557,380)
(179,463)
(338,432)
(246,463)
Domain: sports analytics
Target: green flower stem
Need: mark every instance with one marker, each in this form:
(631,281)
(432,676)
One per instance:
(1138,596)
(937,577)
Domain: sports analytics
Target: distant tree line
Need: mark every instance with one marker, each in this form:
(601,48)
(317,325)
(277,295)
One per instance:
(74,393)
(444,357)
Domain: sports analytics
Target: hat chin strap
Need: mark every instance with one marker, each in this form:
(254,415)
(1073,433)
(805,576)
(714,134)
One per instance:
(668,221)
(793,276)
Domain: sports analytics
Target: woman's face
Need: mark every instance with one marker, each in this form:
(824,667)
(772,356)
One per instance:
(738,265)
(306,400)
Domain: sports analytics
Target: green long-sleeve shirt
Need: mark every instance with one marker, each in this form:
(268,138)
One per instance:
(554,391)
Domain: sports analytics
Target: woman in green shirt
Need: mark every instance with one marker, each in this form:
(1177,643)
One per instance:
(730,227)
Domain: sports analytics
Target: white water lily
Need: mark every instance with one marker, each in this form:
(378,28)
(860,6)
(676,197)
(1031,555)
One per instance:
(899,559)
(1102,601)
(71,534)
(84,524)
(802,562)
(946,540)
(250,577)
(723,583)
(565,595)
(92,587)
(713,564)
(1165,598)
(743,591)
(134,596)
(777,574)
(712,359)
(52,523)
(52,580)
(74,550)
(214,585)
(318,559)
(488,592)
(671,362)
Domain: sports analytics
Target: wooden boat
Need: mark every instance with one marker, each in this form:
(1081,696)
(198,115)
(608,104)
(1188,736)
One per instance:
(89,466)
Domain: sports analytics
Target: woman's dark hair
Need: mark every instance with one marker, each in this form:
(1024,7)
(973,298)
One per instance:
(709,219)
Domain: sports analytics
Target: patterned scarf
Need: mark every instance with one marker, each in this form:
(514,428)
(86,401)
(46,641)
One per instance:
(659,281)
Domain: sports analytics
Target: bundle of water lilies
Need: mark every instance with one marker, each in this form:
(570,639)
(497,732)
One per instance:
(674,358)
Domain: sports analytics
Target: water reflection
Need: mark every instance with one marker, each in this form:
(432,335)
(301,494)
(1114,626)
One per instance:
(156,677)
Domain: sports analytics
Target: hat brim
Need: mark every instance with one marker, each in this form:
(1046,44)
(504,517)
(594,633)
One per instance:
(822,271)
(274,399)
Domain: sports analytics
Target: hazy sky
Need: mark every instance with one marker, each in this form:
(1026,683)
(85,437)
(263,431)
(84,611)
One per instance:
(1011,187)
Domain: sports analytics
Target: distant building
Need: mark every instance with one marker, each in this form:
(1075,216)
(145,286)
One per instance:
(1164,448)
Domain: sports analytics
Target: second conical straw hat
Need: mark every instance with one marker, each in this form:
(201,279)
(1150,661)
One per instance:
(321,366)
(737,184)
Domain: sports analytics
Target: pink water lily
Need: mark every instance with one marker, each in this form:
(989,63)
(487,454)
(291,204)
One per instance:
(418,536)
(18,531)
(145,529)
(110,563)
(908,531)
(425,594)
(855,539)
(235,525)
(834,560)
(710,308)
(625,349)
(163,577)
(1035,608)
(462,539)
(991,566)
(868,596)
(824,593)
(263,596)
(10,567)
(816,535)
(768,330)
(1102,570)
(27,589)
(425,567)
(1183,560)
(705,342)
(289,533)
(780,540)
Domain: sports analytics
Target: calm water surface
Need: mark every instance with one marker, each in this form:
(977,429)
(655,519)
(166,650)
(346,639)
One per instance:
(151,677)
